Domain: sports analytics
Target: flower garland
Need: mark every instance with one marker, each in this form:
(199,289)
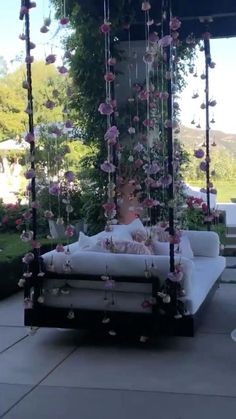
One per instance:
(108,108)
(199,152)
(60,183)
(32,261)
(30,215)
(145,154)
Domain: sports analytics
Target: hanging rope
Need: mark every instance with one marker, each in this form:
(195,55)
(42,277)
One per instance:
(169,128)
(207,63)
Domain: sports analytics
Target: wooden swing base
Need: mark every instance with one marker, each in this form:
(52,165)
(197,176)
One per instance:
(150,323)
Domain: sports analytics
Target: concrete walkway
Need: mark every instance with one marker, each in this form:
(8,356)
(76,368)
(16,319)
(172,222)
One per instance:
(66,374)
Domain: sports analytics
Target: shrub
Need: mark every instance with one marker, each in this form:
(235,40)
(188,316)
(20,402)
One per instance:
(12,216)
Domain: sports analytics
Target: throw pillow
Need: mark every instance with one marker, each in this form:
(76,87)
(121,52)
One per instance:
(120,246)
(85,242)
(131,247)
(118,232)
(182,249)
(185,247)
(135,226)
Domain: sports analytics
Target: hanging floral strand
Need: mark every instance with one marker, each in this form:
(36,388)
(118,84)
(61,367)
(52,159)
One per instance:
(199,153)
(31,259)
(107,108)
(170,295)
(60,185)
(148,60)
(206,39)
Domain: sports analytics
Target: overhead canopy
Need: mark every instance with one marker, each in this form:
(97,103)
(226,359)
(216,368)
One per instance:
(197,16)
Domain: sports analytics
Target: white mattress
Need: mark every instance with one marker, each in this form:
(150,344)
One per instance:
(206,272)
(116,264)
(200,274)
(98,299)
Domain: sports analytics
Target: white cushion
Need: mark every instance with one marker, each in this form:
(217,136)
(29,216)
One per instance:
(204,243)
(85,242)
(135,226)
(121,246)
(161,248)
(183,249)
(118,232)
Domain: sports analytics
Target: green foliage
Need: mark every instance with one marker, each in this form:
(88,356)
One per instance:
(87,71)
(12,105)
(193,218)
(12,246)
(55,155)
(57,206)
(58,152)
(93,190)
(51,151)
(13,99)
(223,166)
(11,217)
(74,158)
(12,249)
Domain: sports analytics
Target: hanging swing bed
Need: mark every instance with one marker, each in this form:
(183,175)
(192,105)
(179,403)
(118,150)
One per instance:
(114,281)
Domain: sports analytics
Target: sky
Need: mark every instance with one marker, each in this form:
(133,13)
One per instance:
(222,88)
(222,78)
(11,27)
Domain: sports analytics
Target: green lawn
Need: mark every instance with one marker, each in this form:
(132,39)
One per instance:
(226,191)
(11,246)
(11,265)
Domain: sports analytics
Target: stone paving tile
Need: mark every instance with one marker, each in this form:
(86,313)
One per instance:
(10,394)
(74,403)
(31,359)
(220,316)
(78,376)
(10,335)
(203,365)
(12,311)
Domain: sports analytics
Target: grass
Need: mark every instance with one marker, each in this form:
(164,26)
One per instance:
(226,191)
(12,246)
(12,250)
(11,265)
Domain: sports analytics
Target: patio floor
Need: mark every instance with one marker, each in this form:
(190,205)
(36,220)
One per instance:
(59,374)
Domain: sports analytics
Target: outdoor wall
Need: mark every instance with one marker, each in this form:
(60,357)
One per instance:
(132,69)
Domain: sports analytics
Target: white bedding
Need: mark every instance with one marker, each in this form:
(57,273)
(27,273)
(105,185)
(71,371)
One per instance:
(206,272)
(115,264)
(200,274)
(128,296)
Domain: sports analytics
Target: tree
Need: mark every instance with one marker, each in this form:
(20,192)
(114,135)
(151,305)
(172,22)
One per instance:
(87,71)
(13,98)
(222,166)
(12,116)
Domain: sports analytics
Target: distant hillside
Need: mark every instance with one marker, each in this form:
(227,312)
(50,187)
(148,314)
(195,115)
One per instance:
(192,137)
